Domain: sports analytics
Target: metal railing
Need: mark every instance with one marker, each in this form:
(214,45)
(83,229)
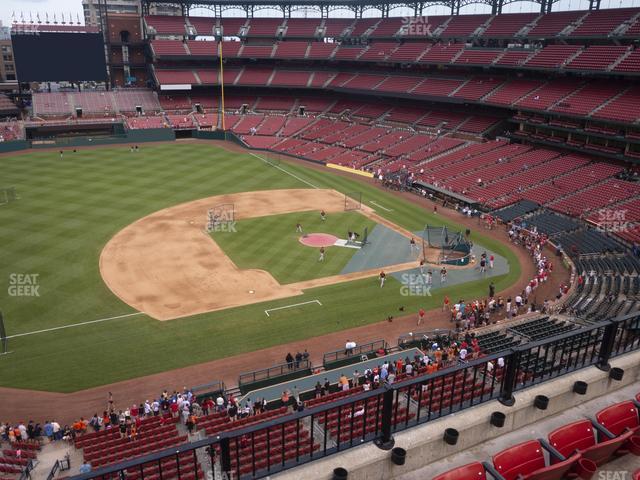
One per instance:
(353,353)
(275,371)
(267,447)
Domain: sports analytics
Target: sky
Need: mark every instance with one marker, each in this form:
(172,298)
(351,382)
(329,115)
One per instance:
(74,7)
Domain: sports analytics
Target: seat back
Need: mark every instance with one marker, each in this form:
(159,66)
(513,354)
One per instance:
(603,451)
(576,436)
(471,471)
(522,459)
(556,471)
(619,417)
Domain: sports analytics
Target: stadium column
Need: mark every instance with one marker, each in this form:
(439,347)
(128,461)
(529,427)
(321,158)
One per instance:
(508,384)
(385,441)
(606,347)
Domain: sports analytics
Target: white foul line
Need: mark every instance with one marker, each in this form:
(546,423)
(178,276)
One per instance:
(285,171)
(75,325)
(380,206)
(290,306)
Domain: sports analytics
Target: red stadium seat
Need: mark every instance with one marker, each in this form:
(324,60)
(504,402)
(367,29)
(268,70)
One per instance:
(470,471)
(526,461)
(619,417)
(580,437)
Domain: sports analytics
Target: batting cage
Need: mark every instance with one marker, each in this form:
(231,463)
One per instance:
(454,248)
(221,218)
(352,201)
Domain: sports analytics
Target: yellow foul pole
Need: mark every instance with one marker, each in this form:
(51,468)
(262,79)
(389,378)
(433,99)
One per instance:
(224,129)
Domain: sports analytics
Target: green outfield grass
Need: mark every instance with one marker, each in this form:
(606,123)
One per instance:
(69,208)
(272,244)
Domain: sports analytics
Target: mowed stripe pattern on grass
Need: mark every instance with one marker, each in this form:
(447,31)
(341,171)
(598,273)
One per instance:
(70,208)
(271,243)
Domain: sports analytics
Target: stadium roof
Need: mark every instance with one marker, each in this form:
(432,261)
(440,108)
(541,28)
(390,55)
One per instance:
(357,6)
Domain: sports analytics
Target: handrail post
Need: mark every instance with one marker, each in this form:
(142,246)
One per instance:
(510,375)
(606,347)
(225,457)
(385,441)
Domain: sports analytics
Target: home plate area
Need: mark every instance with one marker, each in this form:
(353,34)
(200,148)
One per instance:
(326,240)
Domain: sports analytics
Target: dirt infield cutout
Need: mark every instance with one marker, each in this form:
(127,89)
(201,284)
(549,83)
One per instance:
(167,266)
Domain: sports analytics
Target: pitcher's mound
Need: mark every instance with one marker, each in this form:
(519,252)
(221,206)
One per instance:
(318,240)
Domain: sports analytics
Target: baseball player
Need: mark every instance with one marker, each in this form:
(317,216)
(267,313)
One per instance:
(412,244)
(382,276)
(422,267)
(443,275)
(420,316)
(321,259)
(323,215)
(298,227)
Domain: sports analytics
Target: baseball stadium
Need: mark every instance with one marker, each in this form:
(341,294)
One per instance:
(321,240)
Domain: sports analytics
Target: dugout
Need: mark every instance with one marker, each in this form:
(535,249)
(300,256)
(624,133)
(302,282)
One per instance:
(249,381)
(341,358)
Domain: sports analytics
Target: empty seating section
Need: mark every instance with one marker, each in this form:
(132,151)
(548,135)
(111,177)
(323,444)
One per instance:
(175,77)
(335,27)
(507,26)
(543,328)
(547,95)
(514,58)
(97,103)
(165,25)
(597,196)
(348,52)
(398,84)
(264,27)
(203,25)
(631,63)
(624,107)
(139,123)
(363,82)
(552,24)
(274,103)
(169,47)
(321,51)
(441,53)
(588,98)
(293,50)
(477,56)
(596,57)
(463,26)
(287,78)
(254,76)
(512,91)
(302,27)
(600,23)
(256,51)
(199,48)
(437,87)
(409,52)
(379,51)
(232,26)
(552,56)
(527,460)
(45,104)
(387,27)
(361,26)
(478,87)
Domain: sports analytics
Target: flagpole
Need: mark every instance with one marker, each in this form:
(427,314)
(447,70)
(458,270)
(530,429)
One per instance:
(224,129)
